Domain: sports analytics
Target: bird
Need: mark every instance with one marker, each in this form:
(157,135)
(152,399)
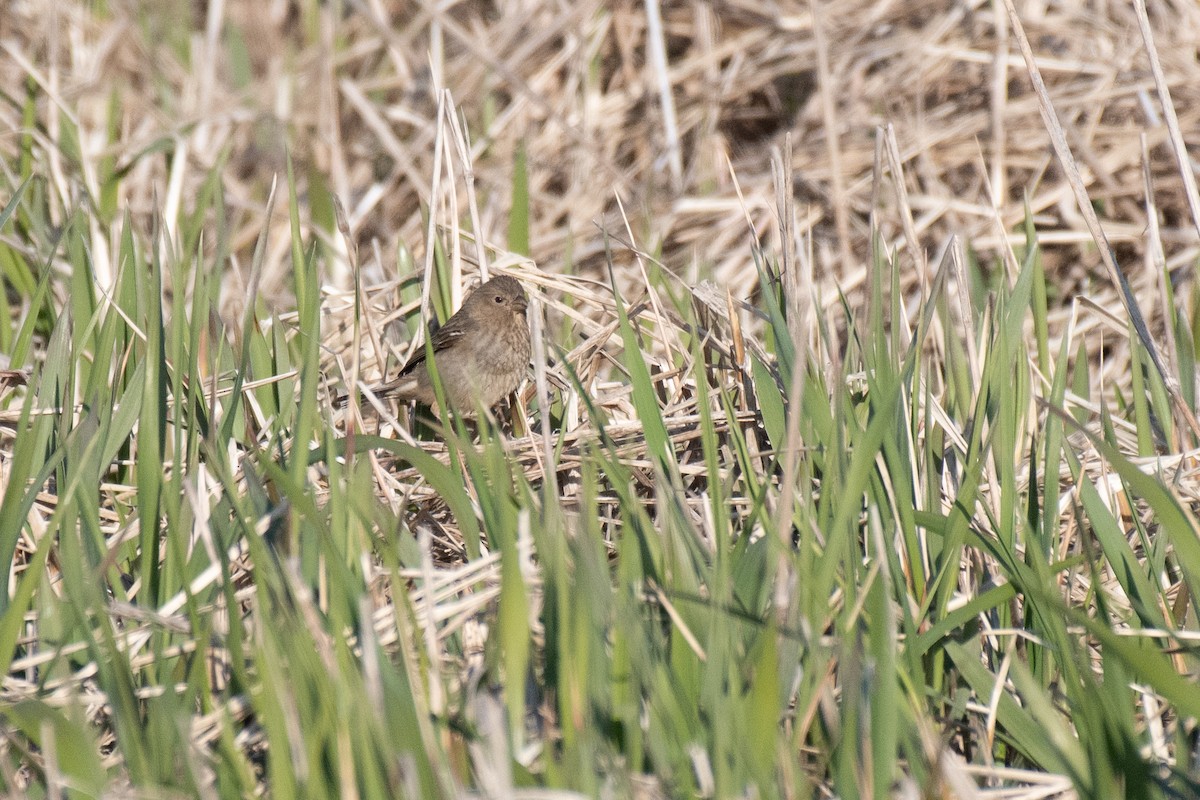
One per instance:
(481,353)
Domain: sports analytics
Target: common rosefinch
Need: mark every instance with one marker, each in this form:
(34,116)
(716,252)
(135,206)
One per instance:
(481,353)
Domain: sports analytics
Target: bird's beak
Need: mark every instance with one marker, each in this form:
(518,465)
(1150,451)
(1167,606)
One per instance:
(522,304)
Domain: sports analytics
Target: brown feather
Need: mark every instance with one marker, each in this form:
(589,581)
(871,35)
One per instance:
(481,353)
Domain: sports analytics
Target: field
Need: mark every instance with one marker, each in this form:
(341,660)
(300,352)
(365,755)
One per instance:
(858,456)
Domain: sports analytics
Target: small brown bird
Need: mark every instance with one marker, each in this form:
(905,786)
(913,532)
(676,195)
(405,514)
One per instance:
(481,353)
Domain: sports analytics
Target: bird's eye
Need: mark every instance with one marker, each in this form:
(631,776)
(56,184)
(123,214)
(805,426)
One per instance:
(498,299)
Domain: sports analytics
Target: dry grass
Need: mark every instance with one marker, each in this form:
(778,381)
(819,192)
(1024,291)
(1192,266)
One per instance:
(578,89)
(654,140)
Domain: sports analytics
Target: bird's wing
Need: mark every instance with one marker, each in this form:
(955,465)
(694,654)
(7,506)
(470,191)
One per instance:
(445,336)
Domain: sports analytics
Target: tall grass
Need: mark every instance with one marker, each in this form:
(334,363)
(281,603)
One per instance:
(882,558)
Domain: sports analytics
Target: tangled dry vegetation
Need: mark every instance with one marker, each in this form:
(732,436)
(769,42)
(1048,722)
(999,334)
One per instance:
(677,139)
(638,134)
(934,93)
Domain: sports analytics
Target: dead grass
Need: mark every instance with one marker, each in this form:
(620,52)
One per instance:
(917,118)
(577,88)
